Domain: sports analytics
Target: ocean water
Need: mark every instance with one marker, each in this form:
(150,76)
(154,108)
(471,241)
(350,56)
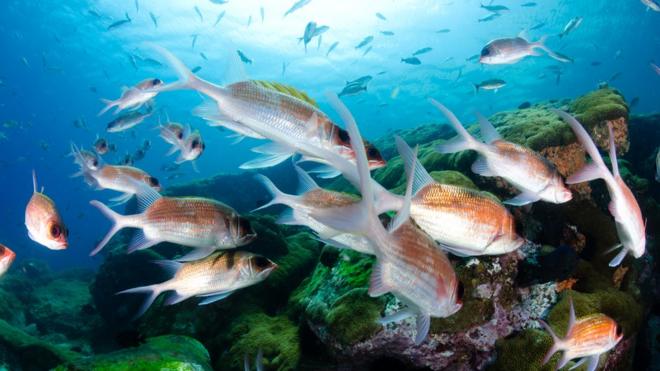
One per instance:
(60,58)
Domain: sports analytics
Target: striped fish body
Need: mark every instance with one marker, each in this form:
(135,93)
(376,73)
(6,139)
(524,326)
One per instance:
(591,335)
(471,223)
(121,178)
(219,272)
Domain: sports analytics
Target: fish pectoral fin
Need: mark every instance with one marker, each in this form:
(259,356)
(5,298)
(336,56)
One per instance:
(196,254)
(175,298)
(325,171)
(423,325)
(397,316)
(456,250)
(480,166)
(579,363)
(522,199)
(272,148)
(266,161)
(121,199)
(377,286)
(212,298)
(593,362)
(140,242)
(618,258)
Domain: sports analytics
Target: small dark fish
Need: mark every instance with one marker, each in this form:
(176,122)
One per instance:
(489,17)
(381,16)
(201,54)
(411,60)
(353,89)
(564,58)
(219,18)
(199,13)
(139,154)
(243,57)
(153,19)
(194,39)
(491,84)
(615,76)
(366,51)
(249,22)
(196,69)
(262,12)
(365,42)
(126,160)
(422,51)
(444,30)
(332,47)
(495,8)
(120,23)
(634,102)
(595,63)
(387,33)
(524,105)
(361,80)
(537,26)
(299,4)
(528,5)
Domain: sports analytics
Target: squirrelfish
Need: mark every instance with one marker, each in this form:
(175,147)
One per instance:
(630,226)
(6,258)
(127,121)
(409,264)
(125,179)
(212,278)
(43,222)
(586,338)
(527,170)
(259,112)
(134,97)
(463,221)
(201,223)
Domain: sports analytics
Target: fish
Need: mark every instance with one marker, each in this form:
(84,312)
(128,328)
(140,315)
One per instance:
(154,19)
(42,220)
(194,40)
(564,58)
(387,33)
(299,4)
(308,198)
(472,58)
(127,121)
(243,57)
(494,8)
(203,224)
(408,263)
(367,50)
(422,51)
(395,92)
(197,69)
(219,18)
(444,30)
(491,84)
(537,26)
(573,24)
(137,6)
(201,54)
(120,22)
(528,5)
(284,65)
(101,146)
(219,2)
(366,41)
(211,279)
(586,338)
(381,16)
(630,226)
(651,4)
(133,98)
(524,105)
(655,68)
(352,89)
(199,13)
(332,47)
(615,76)
(462,221)
(124,179)
(262,13)
(512,50)
(7,257)
(258,112)
(249,22)
(633,102)
(308,34)
(411,60)
(360,80)
(191,147)
(596,63)
(528,171)
(489,17)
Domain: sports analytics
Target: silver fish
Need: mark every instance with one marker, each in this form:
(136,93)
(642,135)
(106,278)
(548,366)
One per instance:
(422,51)
(332,47)
(512,50)
(491,84)
(199,13)
(120,23)
(570,26)
(127,121)
(133,98)
(153,19)
(219,18)
(366,41)
(299,4)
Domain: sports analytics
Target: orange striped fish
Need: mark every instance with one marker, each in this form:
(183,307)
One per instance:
(43,222)
(630,226)
(201,223)
(6,258)
(527,170)
(587,338)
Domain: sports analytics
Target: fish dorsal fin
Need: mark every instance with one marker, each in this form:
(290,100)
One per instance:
(34,181)
(404,213)
(488,131)
(523,34)
(421,177)
(235,70)
(613,160)
(305,181)
(571,315)
(286,89)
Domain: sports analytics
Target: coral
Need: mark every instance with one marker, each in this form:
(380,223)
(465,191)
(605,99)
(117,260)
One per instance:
(354,316)
(170,352)
(595,109)
(523,352)
(276,337)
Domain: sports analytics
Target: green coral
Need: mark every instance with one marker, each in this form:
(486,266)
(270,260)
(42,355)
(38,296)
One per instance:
(171,352)
(535,128)
(276,337)
(523,352)
(599,105)
(354,316)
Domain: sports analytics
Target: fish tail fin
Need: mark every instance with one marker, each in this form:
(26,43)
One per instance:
(152,290)
(118,223)
(187,79)
(279,197)
(594,170)
(464,140)
(540,43)
(108,104)
(556,342)
(476,88)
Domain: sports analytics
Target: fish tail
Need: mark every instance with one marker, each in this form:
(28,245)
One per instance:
(556,342)
(187,79)
(279,197)
(464,140)
(108,104)
(119,222)
(152,290)
(594,170)
(541,45)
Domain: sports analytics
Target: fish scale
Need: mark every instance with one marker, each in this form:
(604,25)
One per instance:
(589,334)
(534,175)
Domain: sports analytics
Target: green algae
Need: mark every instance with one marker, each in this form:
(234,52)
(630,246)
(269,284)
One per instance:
(535,128)
(523,352)
(354,316)
(599,105)
(275,336)
(355,268)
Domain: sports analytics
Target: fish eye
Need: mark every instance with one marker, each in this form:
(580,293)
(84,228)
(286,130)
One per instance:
(195,143)
(485,52)
(244,227)
(619,330)
(179,134)
(460,291)
(156,82)
(343,136)
(154,182)
(95,162)
(2,250)
(261,262)
(55,231)
(372,152)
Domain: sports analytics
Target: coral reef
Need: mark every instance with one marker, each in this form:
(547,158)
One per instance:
(598,108)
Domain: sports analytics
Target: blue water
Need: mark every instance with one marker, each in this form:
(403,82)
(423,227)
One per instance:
(58,60)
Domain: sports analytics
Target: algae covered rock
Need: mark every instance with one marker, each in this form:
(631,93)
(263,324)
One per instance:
(171,352)
(353,316)
(596,109)
(523,352)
